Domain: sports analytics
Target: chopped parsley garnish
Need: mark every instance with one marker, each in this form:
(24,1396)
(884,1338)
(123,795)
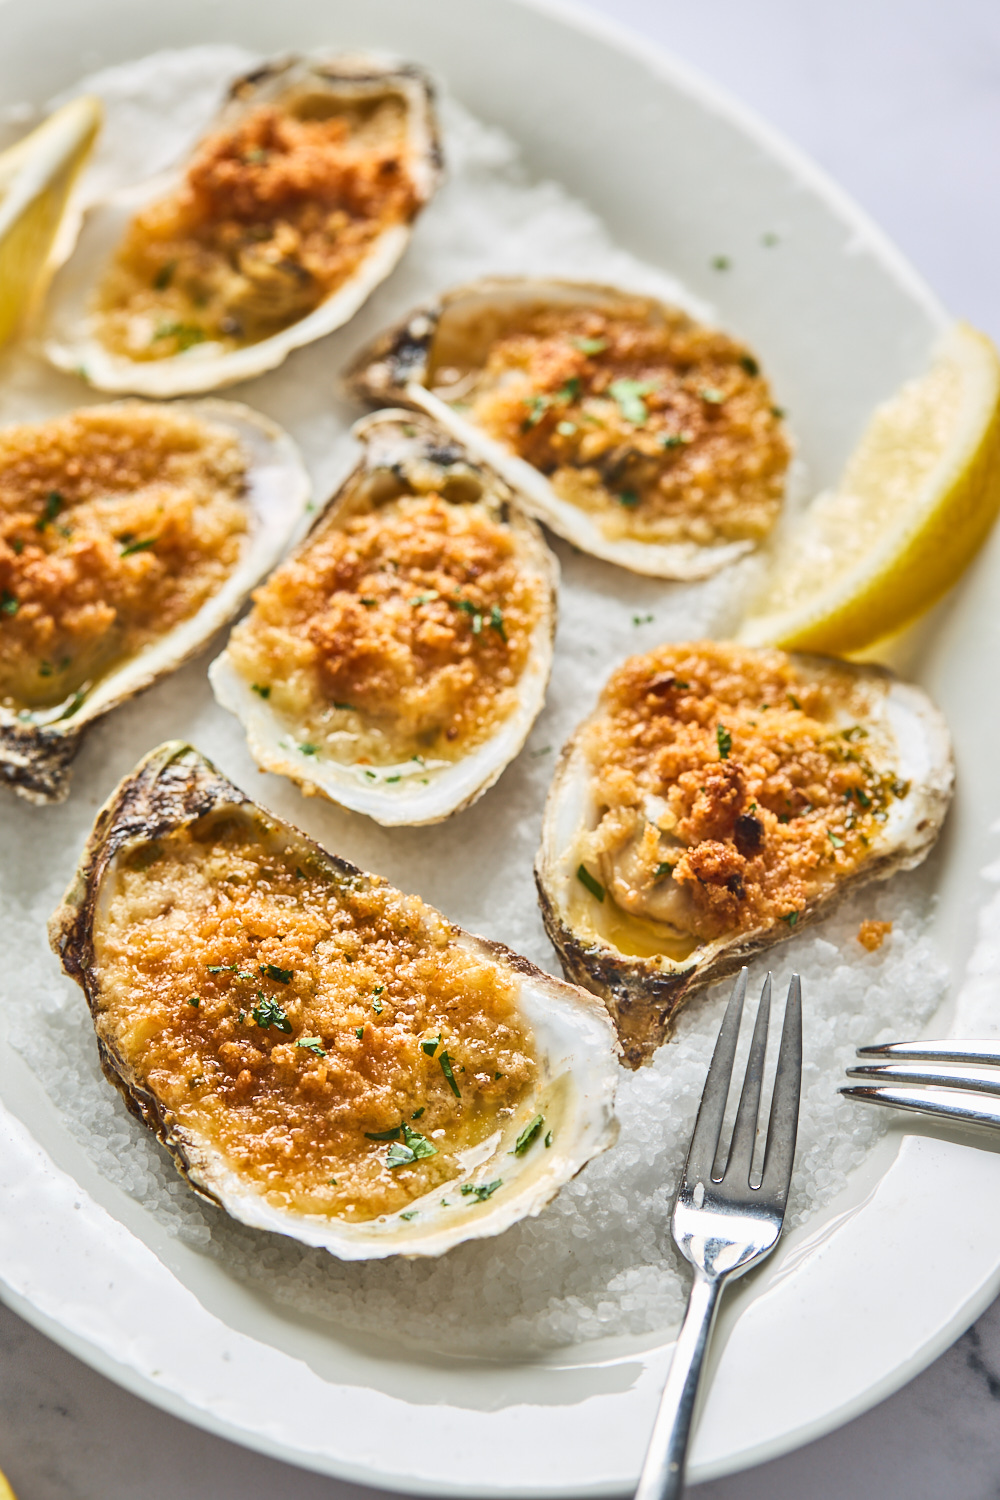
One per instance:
(642,619)
(271,971)
(778,411)
(548,1139)
(628,498)
(496,623)
(591,346)
(311,1044)
(834,840)
(571,390)
(674,439)
(629,394)
(360,1032)
(54,503)
(377,1006)
(17,545)
(378,989)
(794,701)
(411,1148)
(431,1047)
(539,406)
(724,740)
(411,1213)
(371,775)
(346,707)
(268,1013)
(863,797)
(427,598)
(164,276)
(418,1112)
(390,779)
(308,750)
(194,1000)
(262,692)
(467,607)
(769,239)
(712,395)
(856,732)
(186,334)
(529,1134)
(721,262)
(663,868)
(368,602)
(449,1073)
(791,917)
(749,364)
(595,887)
(229,969)
(45,669)
(132,547)
(394,1134)
(480,1191)
(333,1182)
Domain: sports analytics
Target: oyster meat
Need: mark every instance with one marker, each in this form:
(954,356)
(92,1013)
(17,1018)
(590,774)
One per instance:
(397,660)
(129,534)
(290,212)
(634,432)
(322,1055)
(718,799)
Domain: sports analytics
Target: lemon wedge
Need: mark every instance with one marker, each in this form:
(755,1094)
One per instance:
(916,501)
(36,176)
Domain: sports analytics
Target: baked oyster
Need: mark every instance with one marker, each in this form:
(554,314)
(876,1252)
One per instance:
(396,662)
(634,432)
(290,212)
(322,1055)
(129,534)
(719,798)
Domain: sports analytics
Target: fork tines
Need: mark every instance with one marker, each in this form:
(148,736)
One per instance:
(954,1080)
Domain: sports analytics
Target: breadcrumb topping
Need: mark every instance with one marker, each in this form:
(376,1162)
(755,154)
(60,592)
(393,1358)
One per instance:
(402,632)
(735,787)
(116,523)
(299,1018)
(273,215)
(664,430)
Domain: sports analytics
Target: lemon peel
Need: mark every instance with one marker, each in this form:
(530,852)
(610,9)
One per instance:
(916,502)
(36,177)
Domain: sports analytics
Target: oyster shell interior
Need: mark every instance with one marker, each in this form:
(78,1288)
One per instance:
(719,798)
(397,660)
(129,533)
(636,433)
(322,1055)
(289,213)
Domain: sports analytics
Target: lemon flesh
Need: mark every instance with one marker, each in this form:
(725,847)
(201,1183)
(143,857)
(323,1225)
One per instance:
(36,176)
(916,502)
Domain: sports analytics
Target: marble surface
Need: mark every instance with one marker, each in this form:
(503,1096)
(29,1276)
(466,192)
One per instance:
(900,101)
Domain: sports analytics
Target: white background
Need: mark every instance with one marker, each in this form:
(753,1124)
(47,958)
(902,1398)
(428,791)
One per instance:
(900,101)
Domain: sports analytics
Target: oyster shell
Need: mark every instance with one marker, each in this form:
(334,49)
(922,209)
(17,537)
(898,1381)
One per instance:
(413,674)
(277,1109)
(739,818)
(675,473)
(37,743)
(220,278)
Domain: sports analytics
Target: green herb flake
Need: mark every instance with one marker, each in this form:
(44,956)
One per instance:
(311,1044)
(411,1213)
(377,1007)
(539,406)
(724,740)
(794,701)
(712,395)
(496,623)
(427,598)
(856,732)
(585,878)
(628,394)
(571,390)
(791,917)
(332,1182)
(394,1134)
(367,601)
(663,868)
(390,779)
(590,346)
(749,364)
(413,1147)
(418,1112)
(132,547)
(272,971)
(261,691)
(346,707)
(17,545)
(186,334)
(268,1013)
(45,669)
(54,503)
(769,239)
(720,263)
(449,1073)
(529,1134)
(164,276)
(194,1000)
(628,498)
(308,750)
(548,1139)
(360,1032)
(834,840)
(642,619)
(673,439)
(778,412)
(430,1047)
(480,1191)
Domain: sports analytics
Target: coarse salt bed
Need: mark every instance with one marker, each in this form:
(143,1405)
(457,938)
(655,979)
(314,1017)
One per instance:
(599,1260)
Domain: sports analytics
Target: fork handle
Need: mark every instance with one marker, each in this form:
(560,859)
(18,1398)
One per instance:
(662,1475)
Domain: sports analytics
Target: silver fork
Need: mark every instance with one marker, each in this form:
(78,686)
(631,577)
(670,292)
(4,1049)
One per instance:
(720,1223)
(910,1075)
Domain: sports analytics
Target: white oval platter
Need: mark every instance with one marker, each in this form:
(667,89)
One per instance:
(871,1289)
